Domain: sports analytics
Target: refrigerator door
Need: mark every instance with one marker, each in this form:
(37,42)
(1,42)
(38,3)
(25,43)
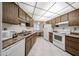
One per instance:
(46,35)
(47,29)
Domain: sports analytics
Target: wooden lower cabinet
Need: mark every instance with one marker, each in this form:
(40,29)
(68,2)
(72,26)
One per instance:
(27,47)
(72,45)
(51,37)
(29,42)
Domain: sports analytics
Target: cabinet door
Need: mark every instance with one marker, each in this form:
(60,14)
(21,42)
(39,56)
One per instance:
(17,49)
(10,13)
(53,22)
(72,45)
(28,19)
(74,18)
(50,37)
(27,48)
(48,22)
(31,22)
(22,15)
(64,18)
(57,20)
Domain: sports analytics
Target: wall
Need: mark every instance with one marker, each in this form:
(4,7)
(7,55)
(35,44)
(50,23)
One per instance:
(16,28)
(67,28)
(75,29)
(38,26)
(0,26)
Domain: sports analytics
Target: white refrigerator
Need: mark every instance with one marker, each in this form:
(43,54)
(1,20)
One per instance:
(47,29)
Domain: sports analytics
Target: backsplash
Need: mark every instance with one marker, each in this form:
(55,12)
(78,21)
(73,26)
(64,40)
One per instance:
(75,29)
(17,28)
(67,28)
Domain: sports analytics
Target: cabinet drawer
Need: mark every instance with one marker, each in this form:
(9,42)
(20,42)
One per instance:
(72,39)
(72,51)
(72,44)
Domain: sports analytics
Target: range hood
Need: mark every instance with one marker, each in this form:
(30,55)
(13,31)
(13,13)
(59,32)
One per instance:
(61,23)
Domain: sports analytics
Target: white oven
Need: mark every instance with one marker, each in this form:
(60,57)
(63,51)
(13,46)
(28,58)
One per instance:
(59,40)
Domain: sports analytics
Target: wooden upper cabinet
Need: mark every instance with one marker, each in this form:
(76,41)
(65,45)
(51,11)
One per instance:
(64,18)
(31,22)
(53,22)
(22,15)
(10,13)
(28,19)
(74,18)
(48,22)
(57,20)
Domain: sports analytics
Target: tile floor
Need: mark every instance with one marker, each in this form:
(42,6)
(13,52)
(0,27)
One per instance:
(45,48)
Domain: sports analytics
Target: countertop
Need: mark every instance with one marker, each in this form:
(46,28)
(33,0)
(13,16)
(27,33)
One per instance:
(11,41)
(73,35)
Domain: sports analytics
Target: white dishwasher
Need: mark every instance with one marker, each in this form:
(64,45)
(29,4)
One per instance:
(17,49)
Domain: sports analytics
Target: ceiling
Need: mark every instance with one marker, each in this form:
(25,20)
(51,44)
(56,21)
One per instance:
(43,11)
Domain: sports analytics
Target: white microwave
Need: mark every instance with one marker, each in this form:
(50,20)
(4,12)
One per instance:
(6,35)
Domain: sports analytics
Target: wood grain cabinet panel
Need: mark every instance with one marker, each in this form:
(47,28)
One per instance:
(31,23)
(53,22)
(57,20)
(48,22)
(72,45)
(64,18)
(27,47)
(29,42)
(50,37)
(22,15)
(10,13)
(74,18)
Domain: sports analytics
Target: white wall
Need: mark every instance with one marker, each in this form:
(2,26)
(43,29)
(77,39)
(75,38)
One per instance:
(17,28)
(0,26)
(38,26)
(67,28)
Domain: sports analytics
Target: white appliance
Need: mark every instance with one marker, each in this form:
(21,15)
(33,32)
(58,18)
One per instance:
(6,35)
(47,29)
(59,40)
(17,49)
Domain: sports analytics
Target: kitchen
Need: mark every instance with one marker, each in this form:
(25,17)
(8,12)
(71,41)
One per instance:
(34,28)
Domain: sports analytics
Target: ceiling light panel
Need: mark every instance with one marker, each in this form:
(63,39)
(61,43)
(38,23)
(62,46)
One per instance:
(58,6)
(66,10)
(48,14)
(26,8)
(54,15)
(45,5)
(71,2)
(39,12)
(36,17)
(30,3)
(45,18)
(76,5)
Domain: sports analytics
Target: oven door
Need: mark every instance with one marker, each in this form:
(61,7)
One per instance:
(59,40)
